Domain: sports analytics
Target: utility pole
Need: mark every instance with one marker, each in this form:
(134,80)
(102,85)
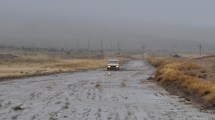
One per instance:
(143,50)
(111,47)
(88,45)
(200,49)
(77,44)
(214,51)
(101,47)
(118,48)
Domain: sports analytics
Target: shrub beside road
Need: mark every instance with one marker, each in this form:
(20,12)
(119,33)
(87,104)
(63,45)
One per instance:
(189,78)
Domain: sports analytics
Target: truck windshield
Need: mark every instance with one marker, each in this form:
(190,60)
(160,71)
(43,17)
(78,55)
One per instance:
(113,62)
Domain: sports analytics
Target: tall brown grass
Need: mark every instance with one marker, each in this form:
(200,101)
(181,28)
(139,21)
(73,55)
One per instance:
(171,73)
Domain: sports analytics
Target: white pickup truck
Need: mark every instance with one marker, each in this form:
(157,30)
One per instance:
(113,64)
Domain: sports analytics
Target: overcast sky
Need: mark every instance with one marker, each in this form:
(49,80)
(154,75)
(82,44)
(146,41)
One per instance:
(68,23)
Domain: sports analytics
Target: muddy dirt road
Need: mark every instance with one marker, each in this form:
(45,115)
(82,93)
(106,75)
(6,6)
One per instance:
(95,95)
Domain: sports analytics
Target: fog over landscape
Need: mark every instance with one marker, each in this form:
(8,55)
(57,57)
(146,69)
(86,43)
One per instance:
(107,59)
(166,24)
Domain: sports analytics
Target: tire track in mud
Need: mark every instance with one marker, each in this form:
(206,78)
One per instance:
(76,91)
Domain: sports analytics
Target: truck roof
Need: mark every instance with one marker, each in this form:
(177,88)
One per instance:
(113,60)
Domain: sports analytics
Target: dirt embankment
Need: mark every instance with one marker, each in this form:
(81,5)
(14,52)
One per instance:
(194,79)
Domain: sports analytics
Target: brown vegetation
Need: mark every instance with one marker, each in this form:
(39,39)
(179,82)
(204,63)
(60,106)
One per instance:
(15,64)
(178,76)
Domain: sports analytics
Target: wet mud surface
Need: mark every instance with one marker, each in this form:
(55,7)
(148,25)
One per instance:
(95,95)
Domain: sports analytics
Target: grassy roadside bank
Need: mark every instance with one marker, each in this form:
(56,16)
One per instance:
(180,76)
(37,67)
(18,64)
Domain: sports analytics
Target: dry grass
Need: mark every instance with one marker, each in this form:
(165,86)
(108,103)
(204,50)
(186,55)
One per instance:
(18,63)
(77,64)
(158,61)
(23,65)
(172,74)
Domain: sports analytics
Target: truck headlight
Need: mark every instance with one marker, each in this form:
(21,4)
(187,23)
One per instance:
(117,66)
(108,66)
